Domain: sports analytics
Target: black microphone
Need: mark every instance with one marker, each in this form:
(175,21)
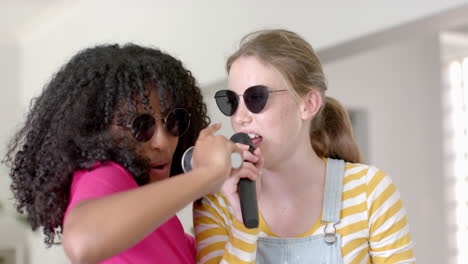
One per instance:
(247,188)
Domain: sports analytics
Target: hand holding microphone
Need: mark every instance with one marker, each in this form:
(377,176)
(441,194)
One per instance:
(240,188)
(213,153)
(187,160)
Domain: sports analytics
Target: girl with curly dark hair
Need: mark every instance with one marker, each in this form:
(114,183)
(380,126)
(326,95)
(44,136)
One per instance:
(112,119)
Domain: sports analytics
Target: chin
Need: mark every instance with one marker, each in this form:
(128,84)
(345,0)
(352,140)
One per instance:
(155,178)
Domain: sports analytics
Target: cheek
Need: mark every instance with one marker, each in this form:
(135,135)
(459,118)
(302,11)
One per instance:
(234,125)
(286,118)
(281,128)
(175,141)
(172,144)
(284,128)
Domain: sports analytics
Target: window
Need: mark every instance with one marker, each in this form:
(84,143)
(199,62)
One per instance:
(456,153)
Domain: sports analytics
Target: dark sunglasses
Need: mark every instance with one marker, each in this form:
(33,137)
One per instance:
(255,98)
(176,122)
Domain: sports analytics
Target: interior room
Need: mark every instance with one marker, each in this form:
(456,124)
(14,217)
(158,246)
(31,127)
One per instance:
(400,68)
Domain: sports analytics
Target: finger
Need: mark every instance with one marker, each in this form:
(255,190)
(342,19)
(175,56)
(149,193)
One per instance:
(249,174)
(250,166)
(229,187)
(261,161)
(249,171)
(242,146)
(242,172)
(257,152)
(250,157)
(252,176)
(209,130)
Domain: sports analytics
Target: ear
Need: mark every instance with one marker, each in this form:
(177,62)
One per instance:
(310,104)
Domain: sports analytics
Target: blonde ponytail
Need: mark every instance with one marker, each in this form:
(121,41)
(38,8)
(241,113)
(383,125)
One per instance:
(331,133)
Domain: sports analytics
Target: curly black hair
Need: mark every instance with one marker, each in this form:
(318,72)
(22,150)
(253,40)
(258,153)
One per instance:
(67,127)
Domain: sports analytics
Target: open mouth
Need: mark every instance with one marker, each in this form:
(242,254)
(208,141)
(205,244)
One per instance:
(256,139)
(160,171)
(159,167)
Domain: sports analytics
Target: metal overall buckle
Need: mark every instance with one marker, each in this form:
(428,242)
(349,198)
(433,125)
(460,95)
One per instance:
(330,237)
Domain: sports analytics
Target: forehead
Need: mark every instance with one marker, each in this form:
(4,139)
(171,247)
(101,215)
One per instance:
(249,71)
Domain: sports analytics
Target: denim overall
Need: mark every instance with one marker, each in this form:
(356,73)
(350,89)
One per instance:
(319,249)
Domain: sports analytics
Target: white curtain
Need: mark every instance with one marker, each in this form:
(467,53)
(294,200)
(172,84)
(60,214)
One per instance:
(455,98)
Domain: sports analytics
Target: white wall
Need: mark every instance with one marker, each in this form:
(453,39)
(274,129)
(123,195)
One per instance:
(12,232)
(9,106)
(9,111)
(201,33)
(399,86)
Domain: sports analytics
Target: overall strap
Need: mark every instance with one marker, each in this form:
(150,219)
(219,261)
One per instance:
(333,191)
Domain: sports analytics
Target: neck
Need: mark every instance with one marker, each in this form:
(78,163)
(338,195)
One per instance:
(301,173)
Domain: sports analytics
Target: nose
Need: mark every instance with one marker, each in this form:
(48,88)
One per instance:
(162,139)
(242,116)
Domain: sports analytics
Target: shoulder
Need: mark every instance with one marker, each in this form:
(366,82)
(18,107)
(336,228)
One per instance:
(364,182)
(373,183)
(102,179)
(364,174)
(216,201)
(108,173)
(214,206)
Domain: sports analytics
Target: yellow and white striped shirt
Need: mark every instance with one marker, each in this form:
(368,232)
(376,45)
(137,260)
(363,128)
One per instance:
(373,224)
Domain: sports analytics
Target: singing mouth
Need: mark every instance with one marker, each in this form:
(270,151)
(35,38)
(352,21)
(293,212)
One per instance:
(256,139)
(159,171)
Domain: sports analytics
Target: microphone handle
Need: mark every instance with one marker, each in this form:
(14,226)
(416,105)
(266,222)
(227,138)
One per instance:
(247,188)
(248,202)
(248,199)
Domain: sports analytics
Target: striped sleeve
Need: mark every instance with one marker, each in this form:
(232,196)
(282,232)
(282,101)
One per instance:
(389,236)
(220,237)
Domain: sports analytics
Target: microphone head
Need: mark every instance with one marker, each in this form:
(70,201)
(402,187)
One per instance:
(243,138)
(187,160)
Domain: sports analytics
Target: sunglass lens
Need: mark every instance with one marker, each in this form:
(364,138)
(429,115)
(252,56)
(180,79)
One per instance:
(227,102)
(143,127)
(256,98)
(177,122)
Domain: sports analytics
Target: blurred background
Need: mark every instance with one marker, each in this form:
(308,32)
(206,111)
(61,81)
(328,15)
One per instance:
(400,67)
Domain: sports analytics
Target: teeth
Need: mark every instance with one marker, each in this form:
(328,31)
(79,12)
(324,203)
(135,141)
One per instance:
(252,136)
